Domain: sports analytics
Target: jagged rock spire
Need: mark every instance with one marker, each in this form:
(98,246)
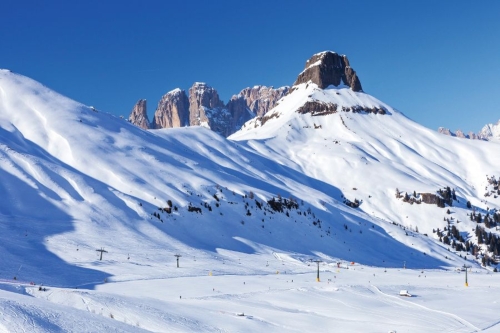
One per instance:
(139,116)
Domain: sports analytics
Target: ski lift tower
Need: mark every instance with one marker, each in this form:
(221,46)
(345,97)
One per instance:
(465,266)
(317,275)
(177,256)
(102,250)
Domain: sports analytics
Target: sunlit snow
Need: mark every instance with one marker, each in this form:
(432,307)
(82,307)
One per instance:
(75,180)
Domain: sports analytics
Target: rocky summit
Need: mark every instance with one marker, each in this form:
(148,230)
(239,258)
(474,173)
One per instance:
(172,110)
(329,68)
(202,100)
(203,107)
(139,115)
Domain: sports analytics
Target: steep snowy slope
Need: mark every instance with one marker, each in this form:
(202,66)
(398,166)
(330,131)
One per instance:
(76,178)
(368,150)
(315,178)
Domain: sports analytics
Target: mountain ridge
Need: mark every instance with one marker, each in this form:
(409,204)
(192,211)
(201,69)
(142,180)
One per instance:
(488,132)
(307,183)
(178,109)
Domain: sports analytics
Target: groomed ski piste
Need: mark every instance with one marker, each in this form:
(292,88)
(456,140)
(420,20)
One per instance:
(75,180)
(352,298)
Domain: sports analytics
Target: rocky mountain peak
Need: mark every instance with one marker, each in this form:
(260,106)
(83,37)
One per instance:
(139,116)
(202,106)
(172,110)
(201,98)
(203,95)
(329,68)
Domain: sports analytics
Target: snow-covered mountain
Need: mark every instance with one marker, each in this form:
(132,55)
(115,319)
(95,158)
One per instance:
(370,152)
(330,172)
(75,175)
(490,131)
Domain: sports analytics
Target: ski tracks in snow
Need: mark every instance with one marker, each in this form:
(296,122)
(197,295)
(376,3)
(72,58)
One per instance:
(396,299)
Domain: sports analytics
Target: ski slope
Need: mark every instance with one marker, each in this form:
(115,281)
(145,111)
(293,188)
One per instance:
(75,180)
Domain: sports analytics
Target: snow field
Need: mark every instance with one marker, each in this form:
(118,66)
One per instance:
(357,299)
(74,180)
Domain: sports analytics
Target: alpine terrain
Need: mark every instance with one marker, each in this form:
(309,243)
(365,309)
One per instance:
(315,212)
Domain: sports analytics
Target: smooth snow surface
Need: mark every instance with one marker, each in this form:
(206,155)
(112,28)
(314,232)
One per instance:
(75,180)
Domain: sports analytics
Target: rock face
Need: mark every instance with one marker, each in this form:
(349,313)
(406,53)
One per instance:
(261,99)
(240,113)
(329,68)
(139,116)
(317,108)
(460,134)
(473,136)
(203,107)
(172,110)
(203,99)
(444,131)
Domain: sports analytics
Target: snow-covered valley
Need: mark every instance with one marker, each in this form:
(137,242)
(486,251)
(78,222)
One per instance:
(332,175)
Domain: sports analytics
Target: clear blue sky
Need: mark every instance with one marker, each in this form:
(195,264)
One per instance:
(436,61)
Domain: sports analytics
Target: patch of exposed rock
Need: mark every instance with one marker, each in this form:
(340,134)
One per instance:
(172,110)
(329,68)
(240,113)
(445,131)
(318,108)
(139,116)
(261,99)
(460,134)
(360,108)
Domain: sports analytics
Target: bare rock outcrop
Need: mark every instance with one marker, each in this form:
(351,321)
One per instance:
(429,198)
(473,136)
(460,134)
(203,99)
(139,116)
(240,113)
(329,68)
(318,108)
(260,99)
(204,107)
(172,110)
(445,131)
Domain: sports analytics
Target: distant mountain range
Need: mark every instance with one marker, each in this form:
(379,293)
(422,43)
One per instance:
(488,132)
